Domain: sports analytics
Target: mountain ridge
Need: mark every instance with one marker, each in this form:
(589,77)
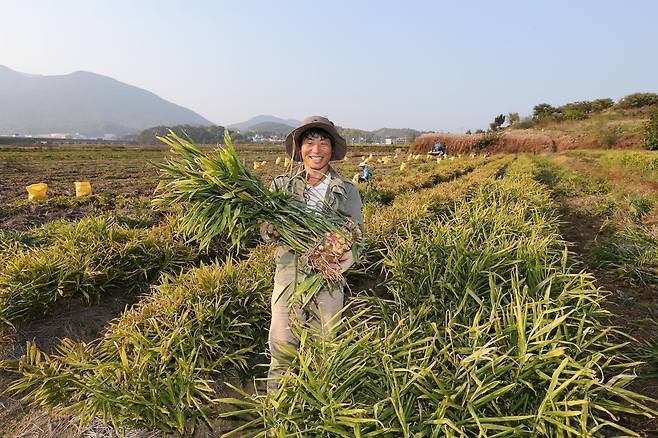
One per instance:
(83,102)
(247,125)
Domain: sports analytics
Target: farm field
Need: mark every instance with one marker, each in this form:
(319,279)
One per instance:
(510,295)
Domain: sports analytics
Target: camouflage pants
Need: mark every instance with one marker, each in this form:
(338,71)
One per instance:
(321,314)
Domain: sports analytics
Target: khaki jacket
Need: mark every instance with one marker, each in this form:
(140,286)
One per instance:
(342,195)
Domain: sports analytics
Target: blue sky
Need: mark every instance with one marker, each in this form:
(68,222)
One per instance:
(433,65)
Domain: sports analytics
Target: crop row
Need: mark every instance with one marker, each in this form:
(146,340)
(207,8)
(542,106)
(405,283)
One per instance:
(156,364)
(489,332)
(628,245)
(83,260)
(644,163)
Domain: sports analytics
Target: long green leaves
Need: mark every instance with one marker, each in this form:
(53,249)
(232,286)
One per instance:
(222,198)
(489,333)
(82,261)
(156,364)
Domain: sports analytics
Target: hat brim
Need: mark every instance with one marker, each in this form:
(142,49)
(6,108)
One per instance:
(293,141)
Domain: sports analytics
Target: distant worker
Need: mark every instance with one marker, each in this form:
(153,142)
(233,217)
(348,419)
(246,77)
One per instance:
(366,172)
(439,149)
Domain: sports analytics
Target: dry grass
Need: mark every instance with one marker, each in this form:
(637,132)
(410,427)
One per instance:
(509,141)
(526,140)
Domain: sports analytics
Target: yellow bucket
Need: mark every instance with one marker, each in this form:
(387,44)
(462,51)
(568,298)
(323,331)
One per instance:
(82,188)
(36,191)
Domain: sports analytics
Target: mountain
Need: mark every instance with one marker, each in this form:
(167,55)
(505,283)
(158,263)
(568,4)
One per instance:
(267,125)
(396,132)
(249,125)
(271,128)
(82,102)
(378,135)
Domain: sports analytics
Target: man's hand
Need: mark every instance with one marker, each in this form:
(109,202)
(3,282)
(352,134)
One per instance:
(267,231)
(346,261)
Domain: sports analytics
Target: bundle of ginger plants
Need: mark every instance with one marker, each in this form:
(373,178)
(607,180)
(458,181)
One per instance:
(222,198)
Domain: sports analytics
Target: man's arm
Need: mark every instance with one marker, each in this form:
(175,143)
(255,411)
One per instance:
(354,209)
(354,206)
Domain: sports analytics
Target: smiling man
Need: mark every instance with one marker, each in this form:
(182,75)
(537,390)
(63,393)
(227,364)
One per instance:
(318,186)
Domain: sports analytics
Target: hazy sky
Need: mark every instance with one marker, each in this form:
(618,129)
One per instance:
(435,65)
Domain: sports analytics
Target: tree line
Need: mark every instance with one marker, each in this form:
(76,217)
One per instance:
(212,134)
(583,109)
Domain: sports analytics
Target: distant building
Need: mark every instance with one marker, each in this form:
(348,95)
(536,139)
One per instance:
(395,140)
(357,140)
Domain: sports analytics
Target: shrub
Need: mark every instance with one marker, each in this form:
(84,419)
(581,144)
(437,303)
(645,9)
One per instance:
(497,122)
(487,139)
(513,118)
(637,100)
(609,136)
(586,107)
(602,104)
(543,111)
(581,107)
(651,132)
(525,123)
(575,114)
(641,206)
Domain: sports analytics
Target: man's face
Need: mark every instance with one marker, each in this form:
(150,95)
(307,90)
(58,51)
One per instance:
(316,154)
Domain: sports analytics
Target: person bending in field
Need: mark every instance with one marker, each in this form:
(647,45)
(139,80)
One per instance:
(315,143)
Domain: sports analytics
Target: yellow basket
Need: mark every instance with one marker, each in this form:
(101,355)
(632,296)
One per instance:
(36,191)
(82,188)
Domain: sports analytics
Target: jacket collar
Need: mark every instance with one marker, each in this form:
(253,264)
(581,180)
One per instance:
(336,184)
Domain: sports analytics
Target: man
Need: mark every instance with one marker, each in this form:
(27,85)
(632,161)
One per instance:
(315,143)
(440,148)
(366,172)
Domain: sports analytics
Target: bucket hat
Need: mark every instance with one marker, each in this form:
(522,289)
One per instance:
(293,139)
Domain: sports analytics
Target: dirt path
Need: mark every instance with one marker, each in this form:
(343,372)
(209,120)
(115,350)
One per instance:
(630,306)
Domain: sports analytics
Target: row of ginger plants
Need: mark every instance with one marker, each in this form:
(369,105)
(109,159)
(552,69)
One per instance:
(489,330)
(156,365)
(82,261)
(624,203)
